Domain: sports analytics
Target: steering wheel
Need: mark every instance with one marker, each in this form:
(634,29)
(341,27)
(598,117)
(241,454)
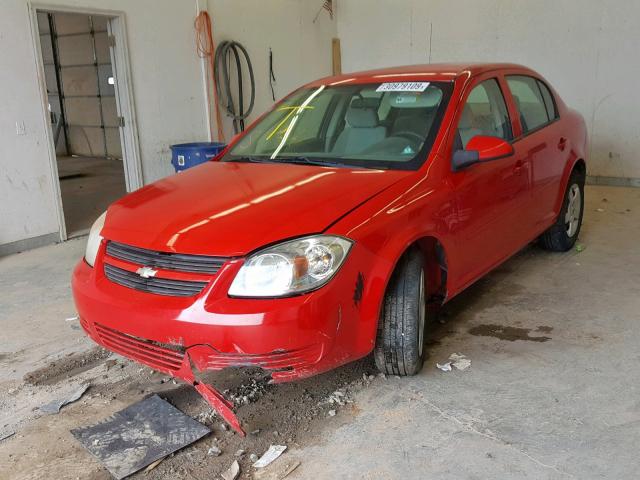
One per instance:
(409,135)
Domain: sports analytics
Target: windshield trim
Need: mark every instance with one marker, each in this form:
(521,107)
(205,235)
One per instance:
(349,162)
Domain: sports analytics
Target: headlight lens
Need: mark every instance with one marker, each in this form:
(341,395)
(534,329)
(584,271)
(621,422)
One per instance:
(94,240)
(291,267)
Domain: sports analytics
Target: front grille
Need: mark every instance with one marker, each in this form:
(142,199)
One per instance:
(169,261)
(145,351)
(159,286)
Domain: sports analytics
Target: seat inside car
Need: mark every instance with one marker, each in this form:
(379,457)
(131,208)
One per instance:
(466,127)
(362,127)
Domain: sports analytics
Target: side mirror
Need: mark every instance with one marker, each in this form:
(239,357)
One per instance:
(479,149)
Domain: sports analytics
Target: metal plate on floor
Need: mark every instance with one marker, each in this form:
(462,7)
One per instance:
(139,435)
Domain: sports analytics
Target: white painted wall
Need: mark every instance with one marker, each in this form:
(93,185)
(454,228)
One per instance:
(301,48)
(168,97)
(167,85)
(587,50)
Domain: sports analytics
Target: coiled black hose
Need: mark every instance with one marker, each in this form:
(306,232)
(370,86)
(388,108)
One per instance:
(222,62)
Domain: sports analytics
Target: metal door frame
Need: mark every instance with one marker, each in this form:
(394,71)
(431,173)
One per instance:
(124,97)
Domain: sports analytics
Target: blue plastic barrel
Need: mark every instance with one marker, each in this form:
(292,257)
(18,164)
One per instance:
(187,155)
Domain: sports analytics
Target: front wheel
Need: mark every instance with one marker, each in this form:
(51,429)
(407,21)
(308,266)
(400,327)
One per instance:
(399,346)
(562,235)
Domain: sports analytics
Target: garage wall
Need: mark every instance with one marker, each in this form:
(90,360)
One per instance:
(301,48)
(168,95)
(168,88)
(587,50)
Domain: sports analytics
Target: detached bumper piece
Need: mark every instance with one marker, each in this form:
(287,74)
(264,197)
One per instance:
(167,359)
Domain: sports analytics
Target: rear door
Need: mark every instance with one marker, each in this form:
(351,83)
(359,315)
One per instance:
(540,141)
(489,196)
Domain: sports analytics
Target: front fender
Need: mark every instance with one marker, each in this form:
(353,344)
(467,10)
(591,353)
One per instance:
(386,227)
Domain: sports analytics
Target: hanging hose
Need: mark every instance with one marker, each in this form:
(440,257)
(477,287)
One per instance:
(206,49)
(222,62)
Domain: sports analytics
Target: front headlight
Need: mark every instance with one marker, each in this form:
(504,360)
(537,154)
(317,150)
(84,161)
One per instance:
(94,240)
(291,267)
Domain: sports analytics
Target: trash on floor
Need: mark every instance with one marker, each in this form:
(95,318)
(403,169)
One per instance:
(71,319)
(139,435)
(579,247)
(154,465)
(270,455)
(457,361)
(54,406)
(445,367)
(214,451)
(232,472)
(460,362)
(4,436)
(599,209)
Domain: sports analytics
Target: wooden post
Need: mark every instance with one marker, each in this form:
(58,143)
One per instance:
(336,56)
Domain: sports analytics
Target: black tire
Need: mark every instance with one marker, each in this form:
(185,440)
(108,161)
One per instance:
(399,346)
(558,238)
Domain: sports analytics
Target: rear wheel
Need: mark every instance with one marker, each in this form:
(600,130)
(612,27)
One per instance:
(562,235)
(399,346)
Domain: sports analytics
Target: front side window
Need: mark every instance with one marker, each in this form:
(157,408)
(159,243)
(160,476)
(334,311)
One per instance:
(484,113)
(381,125)
(529,102)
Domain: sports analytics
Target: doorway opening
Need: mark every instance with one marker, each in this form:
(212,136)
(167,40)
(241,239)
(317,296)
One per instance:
(87,114)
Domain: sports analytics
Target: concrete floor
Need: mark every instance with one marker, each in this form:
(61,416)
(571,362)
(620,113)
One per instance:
(88,186)
(553,390)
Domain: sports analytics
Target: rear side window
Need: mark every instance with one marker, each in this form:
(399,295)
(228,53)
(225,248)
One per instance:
(529,102)
(549,103)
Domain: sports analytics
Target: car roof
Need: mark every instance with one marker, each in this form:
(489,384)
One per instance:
(432,71)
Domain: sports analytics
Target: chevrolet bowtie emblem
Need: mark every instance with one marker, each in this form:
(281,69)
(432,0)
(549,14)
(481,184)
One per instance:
(146,272)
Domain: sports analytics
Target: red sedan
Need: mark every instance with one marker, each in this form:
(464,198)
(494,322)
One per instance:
(331,227)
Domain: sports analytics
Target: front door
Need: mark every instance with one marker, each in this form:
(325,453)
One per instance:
(490,196)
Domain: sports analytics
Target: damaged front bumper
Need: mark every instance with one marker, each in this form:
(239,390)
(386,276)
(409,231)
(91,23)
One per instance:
(291,338)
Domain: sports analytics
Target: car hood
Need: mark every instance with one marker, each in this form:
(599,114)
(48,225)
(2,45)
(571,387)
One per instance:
(230,209)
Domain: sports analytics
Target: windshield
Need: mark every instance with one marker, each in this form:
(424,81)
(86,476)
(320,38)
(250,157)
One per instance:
(377,125)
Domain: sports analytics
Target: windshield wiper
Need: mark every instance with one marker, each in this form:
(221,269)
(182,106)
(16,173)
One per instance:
(300,160)
(248,159)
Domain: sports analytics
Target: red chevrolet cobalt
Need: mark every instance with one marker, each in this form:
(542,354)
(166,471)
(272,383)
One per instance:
(331,227)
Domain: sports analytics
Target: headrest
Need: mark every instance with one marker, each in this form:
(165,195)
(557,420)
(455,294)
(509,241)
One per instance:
(361,114)
(466,118)
(428,99)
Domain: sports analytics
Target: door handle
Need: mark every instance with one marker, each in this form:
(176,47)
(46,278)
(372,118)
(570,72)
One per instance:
(562,144)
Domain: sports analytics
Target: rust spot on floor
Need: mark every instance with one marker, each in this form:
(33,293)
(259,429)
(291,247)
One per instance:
(510,334)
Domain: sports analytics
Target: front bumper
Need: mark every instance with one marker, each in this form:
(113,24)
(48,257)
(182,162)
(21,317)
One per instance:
(292,338)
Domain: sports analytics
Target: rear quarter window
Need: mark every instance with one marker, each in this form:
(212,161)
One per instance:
(549,101)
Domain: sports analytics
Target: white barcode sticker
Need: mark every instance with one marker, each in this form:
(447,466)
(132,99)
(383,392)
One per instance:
(403,87)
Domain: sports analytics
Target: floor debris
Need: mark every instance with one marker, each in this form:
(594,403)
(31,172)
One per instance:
(445,367)
(214,451)
(154,465)
(139,435)
(233,472)
(270,455)
(4,436)
(54,407)
(579,247)
(290,469)
(71,319)
(460,362)
(457,361)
